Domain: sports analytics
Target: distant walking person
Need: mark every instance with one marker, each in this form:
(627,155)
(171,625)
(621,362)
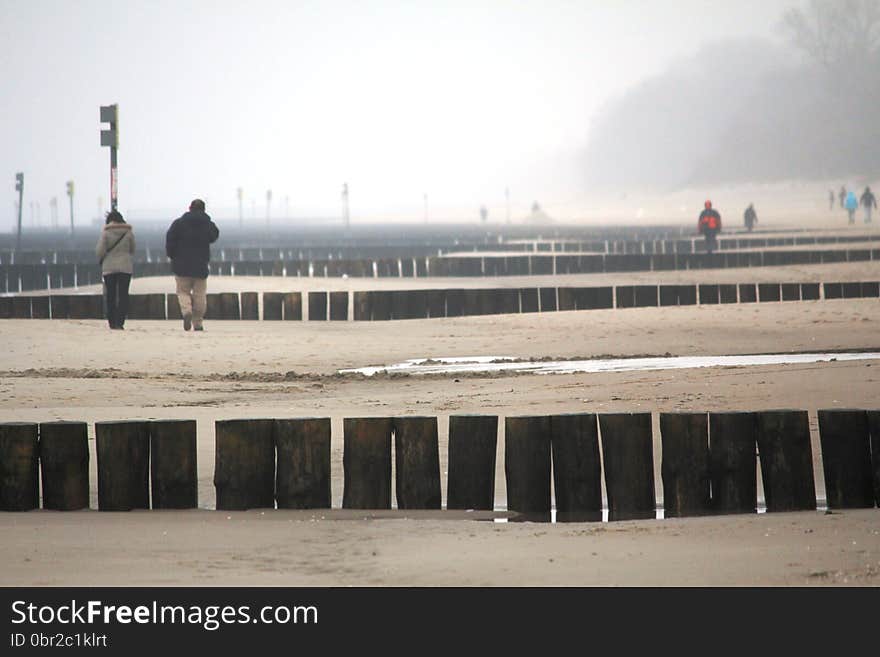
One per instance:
(750,217)
(842,195)
(852,204)
(188,245)
(114,250)
(830,199)
(869,202)
(709,225)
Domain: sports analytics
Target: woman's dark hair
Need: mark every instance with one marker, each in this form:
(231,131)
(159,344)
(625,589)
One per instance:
(115,217)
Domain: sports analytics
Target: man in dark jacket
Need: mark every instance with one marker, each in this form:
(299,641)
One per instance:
(187,244)
(750,217)
(869,202)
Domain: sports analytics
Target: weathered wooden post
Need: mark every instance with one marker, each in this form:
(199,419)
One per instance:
(244,467)
(59,306)
(708,294)
(748,293)
(361,307)
(173,467)
(874,431)
(472,303)
(229,305)
(528,300)
(547,297)
(687,295)
(173,303)
(138,306)
(508,301)
(846,458)
(64,465)
(527,466)
(21,307)
(628,458)
(769,292)
(733,462)
(790,291)
(19,466)
(380,302)
(809,291)
(786,460)
(437,303)
(684,466)
(366,463)
(302,476)
(727,293)
(272,303)
(624,296)
(317,306)
(338,306)
(123,450)
(574,440)
(250,306)
(214,307)
(455,303)
(668,295)
(645,295)
(417,463)
(566,297)
(40,307)
(473,440)
(292,306)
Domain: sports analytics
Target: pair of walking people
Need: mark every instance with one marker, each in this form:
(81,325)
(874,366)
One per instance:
(187,245)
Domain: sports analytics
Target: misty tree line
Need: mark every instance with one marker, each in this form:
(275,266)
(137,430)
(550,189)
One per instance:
(747,110)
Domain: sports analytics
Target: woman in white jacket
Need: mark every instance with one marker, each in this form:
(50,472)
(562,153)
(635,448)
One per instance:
(115,251)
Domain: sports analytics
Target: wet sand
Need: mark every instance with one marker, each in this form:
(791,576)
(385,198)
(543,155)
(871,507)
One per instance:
(79,370)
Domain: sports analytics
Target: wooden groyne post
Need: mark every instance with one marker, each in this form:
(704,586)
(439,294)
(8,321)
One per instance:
(19,466)
(302,475)
(123,451)
(473,440)
(174,464)
(244,467)
(366,463)
(64,465)
(628,457)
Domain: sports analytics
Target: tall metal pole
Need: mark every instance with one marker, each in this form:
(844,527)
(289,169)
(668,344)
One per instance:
(19,185)
(70,195)
(114,179)
(110,137)
(268,205)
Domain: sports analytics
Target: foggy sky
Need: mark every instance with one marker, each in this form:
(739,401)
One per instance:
(454,99)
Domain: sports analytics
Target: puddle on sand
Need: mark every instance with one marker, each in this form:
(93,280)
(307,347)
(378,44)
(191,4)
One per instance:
(762,508)
(508,364)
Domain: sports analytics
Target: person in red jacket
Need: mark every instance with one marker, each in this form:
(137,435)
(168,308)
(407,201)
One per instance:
(709,225)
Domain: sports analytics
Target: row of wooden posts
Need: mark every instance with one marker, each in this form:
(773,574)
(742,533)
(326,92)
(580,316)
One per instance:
(654,242)
(25,278)
(380,305)
(709,463)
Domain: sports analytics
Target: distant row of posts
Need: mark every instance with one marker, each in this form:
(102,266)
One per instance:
(19,187)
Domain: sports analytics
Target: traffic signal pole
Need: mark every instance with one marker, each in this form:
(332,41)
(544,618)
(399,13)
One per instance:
(110,137)
(70,195)
(19,186)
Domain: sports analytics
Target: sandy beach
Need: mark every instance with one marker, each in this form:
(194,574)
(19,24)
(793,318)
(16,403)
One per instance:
(79,370)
